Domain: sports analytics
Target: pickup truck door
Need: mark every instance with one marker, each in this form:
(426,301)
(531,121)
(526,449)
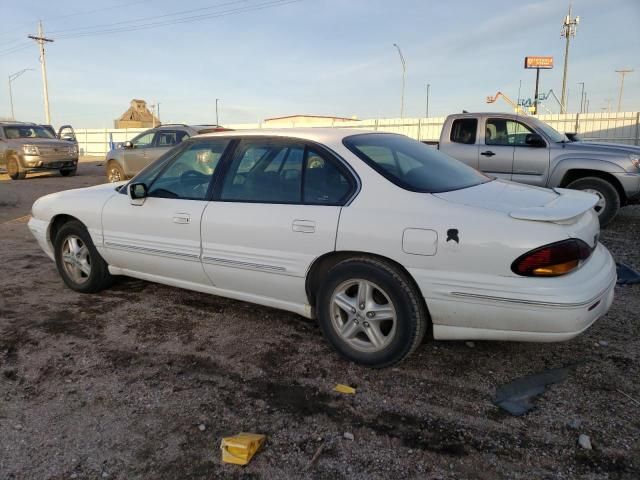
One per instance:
(463,141)
(496,155)
(530,162)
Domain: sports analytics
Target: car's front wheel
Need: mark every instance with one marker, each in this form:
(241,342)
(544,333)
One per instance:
(608,197)
(115,172)
(370,312)
(14,170)
(79,263)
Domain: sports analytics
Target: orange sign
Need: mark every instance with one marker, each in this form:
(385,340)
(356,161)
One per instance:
(538,62)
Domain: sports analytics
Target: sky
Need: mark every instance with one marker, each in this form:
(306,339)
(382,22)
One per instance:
(318,57)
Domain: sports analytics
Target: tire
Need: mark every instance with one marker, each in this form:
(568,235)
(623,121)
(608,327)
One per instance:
(115,173)
(86,272)
(609,198)
(68,173)
(14,170)
(371,340)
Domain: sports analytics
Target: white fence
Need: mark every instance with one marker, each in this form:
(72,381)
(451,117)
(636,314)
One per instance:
(623,127)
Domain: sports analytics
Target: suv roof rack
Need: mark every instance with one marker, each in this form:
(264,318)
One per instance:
(173,125)
(16,122)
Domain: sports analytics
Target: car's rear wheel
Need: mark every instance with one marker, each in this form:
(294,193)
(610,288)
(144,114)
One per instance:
(370,312)
(608,197)
(14,170)
(69,172)
(79,263)
(115,172)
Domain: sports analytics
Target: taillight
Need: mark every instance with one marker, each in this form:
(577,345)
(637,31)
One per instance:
(552,260)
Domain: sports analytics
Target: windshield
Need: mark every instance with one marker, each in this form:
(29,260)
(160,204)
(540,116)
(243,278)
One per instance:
(27,131)
(549,131)
(413,165)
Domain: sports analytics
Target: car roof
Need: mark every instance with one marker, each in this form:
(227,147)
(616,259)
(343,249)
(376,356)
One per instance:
(321,135)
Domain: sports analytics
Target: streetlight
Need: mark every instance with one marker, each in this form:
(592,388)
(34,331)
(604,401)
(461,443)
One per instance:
(404,76)
(12,77)
(217,122)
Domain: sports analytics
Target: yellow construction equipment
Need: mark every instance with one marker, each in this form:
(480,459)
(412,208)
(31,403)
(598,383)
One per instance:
(515,106)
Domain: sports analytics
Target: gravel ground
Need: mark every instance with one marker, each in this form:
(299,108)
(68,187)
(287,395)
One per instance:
(119,384)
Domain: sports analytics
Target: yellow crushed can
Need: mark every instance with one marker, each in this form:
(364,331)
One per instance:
(240,448)
(344,389)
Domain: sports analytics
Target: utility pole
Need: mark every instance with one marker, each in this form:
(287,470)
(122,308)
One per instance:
(217,121)
(41,39)
(427,109)
(568,30)
(404,77)
(12,77)
(622,73)
(581,97)
(159,121)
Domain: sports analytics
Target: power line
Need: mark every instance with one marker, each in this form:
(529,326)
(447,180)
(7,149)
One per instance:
(153,17)
(189,19)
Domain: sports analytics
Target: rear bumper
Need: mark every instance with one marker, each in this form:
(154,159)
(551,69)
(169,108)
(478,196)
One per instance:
(523,309)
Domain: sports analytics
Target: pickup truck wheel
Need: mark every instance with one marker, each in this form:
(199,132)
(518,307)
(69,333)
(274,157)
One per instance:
(78,262)
(14,170)
(114,172)
(68,172)
(608,197)
(370,312)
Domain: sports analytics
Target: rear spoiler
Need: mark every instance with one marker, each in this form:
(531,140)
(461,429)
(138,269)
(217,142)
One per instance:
(567,205)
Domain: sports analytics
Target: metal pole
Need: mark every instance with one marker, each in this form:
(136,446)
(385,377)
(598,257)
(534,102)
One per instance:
(217,121)
(13,115)
(41,41)
(581,97)
(159,121)
(568,30)
(427,110)
(535,93)
(404,75)
(622,74)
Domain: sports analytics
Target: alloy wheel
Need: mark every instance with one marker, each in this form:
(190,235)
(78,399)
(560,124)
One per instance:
(76,259)
(363,315)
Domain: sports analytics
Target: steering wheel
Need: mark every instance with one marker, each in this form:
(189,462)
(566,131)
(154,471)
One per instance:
(195,182)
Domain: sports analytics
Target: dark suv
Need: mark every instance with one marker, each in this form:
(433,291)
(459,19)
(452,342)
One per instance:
(29,147)
(126,159)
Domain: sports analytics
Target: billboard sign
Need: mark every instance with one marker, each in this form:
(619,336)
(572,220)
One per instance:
(538,62)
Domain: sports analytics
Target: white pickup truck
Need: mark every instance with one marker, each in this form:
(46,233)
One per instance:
(526,150)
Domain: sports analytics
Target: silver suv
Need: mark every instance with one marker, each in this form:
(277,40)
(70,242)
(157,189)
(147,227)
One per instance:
(28,147)
(128,158)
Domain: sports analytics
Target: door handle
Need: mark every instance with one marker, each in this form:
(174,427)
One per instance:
(304,226)
(488,153)
(181,218)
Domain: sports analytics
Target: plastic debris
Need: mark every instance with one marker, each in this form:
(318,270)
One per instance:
(626,274)
(584,441)
(516,397)
(240,448)
(344,389)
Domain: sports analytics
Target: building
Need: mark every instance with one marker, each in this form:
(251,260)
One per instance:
(137,116)
(305,121)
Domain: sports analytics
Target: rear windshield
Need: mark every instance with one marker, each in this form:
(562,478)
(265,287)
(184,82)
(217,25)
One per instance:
(413,165)
(27,131)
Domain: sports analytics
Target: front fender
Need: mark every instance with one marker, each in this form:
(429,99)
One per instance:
(560,168)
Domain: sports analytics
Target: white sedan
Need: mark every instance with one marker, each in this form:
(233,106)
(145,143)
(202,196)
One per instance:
(379,237)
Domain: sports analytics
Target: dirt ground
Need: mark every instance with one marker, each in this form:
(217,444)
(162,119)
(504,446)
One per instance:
(143,380)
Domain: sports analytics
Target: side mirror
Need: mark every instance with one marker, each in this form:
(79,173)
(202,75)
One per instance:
(534,140)
(137,193)
(127,144)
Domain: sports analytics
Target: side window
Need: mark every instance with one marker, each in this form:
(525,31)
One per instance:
(324,184)
(166,138)
(463,130)
(505,132)
(264,171)
(189,174)
(144,140)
